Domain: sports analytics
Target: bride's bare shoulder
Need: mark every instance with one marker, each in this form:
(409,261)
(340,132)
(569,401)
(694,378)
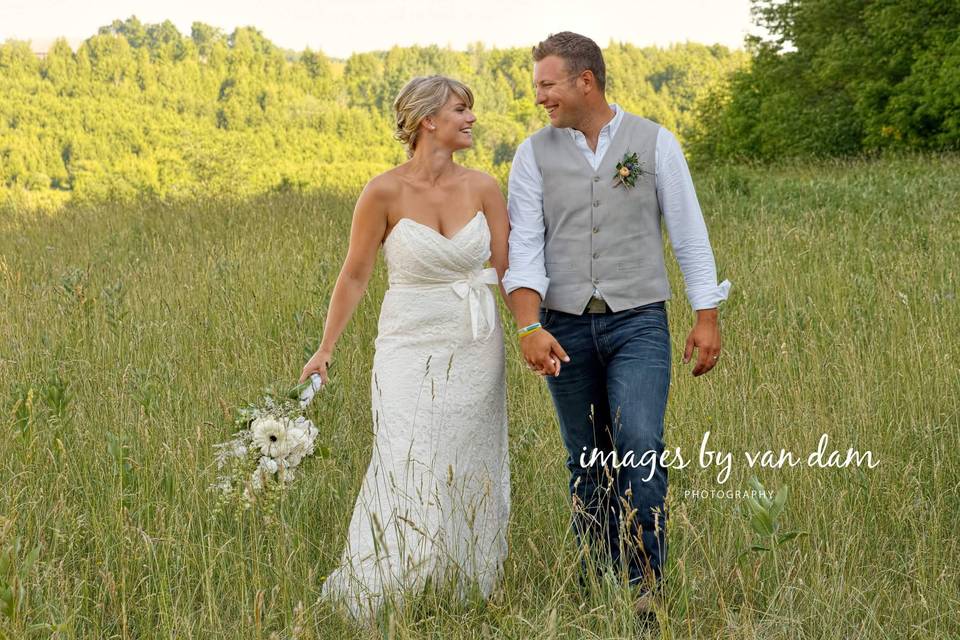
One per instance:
(383,187)
(483,183)
(480,179)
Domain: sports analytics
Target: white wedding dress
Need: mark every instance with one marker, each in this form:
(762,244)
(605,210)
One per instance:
(435,500)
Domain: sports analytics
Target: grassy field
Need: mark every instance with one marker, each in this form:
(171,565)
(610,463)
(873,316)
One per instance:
(125,333)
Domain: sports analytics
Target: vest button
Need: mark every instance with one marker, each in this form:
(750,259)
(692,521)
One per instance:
(596,281)
(596,254)
(596,229)
(596,203)
(596,178)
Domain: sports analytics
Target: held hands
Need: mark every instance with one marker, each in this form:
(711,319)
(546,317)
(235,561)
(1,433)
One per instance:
(705,336)
(543,353)
(319,363)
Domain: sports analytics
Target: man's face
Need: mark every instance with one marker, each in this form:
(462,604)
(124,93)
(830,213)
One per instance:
(558,91)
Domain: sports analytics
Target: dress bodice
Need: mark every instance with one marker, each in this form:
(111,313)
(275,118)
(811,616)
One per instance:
(419,256)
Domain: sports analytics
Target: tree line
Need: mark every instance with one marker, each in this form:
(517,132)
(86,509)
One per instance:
(144,110)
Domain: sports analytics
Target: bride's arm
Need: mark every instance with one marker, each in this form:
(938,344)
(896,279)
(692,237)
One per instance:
(495,208)
(366,233)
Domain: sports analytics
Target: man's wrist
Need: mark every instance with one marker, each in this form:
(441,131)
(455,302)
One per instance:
(526,306)
(708,315)
(526,330)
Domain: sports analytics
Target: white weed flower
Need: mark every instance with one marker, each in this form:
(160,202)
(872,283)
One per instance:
(222,484)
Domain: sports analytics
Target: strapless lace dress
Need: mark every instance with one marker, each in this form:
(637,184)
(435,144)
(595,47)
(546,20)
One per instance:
(435,500)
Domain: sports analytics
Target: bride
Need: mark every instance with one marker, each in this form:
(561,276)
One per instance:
(435,500)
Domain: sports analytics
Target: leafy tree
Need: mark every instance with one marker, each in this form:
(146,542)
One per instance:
(838,77)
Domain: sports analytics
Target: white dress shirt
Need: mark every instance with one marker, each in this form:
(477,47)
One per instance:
(678,205)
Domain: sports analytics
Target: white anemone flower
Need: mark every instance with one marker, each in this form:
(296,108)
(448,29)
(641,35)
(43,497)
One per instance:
(270,436)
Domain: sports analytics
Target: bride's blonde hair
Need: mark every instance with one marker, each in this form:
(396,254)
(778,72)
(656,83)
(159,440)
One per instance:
(421,97)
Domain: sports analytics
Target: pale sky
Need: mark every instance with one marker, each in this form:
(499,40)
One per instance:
(341,27)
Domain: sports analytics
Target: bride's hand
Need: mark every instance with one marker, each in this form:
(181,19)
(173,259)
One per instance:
(318,363)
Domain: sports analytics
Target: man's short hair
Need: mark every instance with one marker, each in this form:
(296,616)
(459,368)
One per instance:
(578,52)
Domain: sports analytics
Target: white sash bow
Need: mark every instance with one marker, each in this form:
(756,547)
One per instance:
(482,305)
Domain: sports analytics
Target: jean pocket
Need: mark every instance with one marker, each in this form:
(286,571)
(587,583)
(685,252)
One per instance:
(546,316)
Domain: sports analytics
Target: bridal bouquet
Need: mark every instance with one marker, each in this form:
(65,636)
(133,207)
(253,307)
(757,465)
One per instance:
(274,438)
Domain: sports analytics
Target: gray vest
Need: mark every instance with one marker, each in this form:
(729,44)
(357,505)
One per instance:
(599,233)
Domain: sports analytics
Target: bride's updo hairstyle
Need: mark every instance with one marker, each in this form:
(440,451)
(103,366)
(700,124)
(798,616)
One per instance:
(421,97)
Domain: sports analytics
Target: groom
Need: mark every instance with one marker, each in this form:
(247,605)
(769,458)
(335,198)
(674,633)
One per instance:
(587,284)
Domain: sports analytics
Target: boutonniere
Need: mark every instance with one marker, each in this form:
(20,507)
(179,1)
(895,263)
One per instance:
(628,170)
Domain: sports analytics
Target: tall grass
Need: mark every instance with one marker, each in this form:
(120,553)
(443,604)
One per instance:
(127,331)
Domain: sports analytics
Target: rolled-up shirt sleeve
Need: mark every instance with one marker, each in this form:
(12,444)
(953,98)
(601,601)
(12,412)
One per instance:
(525,208)
(685,225)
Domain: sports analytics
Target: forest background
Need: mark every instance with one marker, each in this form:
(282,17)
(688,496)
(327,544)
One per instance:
(142,110)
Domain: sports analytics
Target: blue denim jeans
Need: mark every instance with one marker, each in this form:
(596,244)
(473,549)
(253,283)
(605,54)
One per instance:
(612,396)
